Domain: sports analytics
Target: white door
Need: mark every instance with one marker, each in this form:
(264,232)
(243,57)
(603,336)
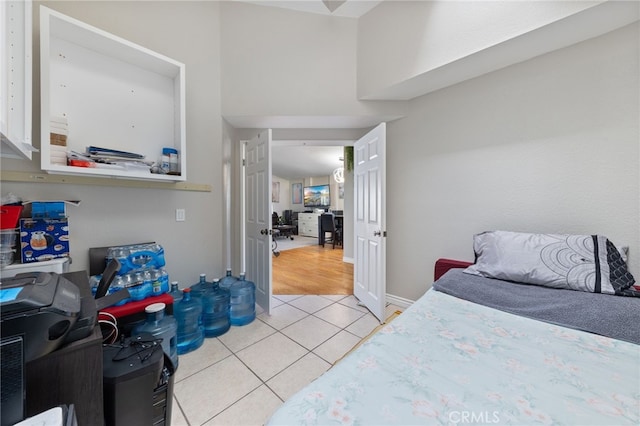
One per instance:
(369,277)
(258,216)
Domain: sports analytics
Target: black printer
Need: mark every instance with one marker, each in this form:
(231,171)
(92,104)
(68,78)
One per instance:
(41,307)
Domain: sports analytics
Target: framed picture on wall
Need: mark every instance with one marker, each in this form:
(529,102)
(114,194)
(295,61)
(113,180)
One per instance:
(275,192)
(296,193)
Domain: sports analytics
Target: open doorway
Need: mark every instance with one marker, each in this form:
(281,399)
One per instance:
(303,266)
(367,212)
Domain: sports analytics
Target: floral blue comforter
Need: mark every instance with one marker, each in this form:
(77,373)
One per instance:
(448,361)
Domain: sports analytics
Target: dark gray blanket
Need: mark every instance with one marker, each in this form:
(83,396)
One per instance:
(617,317)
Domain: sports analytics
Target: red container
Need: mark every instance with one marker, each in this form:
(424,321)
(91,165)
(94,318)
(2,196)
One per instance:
(9,216)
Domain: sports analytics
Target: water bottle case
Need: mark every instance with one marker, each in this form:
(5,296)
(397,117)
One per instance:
(143,256)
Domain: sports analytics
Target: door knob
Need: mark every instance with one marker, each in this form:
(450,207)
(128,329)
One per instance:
(264,231)
(377,233)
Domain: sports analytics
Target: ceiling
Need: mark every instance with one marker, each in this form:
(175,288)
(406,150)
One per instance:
(294,160)
(344,8)
(301,159)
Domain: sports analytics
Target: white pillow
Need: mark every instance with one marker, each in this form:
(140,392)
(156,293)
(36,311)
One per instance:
(577,262)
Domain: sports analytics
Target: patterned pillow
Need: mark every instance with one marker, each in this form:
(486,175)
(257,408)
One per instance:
(588,263)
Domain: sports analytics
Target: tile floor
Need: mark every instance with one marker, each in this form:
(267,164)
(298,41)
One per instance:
(242,377)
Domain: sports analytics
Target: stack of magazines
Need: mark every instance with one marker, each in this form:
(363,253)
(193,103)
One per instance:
(113,159)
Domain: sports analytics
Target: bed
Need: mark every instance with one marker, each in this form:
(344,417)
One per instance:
(464,354)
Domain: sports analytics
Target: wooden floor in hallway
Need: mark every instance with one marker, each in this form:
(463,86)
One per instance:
(312,270)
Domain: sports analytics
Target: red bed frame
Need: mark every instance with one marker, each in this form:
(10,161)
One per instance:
(443,265)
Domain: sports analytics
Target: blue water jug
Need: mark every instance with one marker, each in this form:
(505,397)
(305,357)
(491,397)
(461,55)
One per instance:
(175,292)
(188,313)
(228,280)
(163,327)
(198,288)
(242,301)
(215,313)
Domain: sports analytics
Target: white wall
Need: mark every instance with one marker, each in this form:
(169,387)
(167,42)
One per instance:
(188,32)
(278,62)
(399,40)
(284,202)
(548,145)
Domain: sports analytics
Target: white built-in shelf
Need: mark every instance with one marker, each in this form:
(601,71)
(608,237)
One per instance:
(15,79)
(113,93)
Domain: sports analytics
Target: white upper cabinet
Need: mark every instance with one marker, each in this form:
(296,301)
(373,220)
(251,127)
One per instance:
(100,90)
(15,78)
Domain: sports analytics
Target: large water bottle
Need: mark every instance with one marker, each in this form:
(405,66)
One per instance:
(242,301)
(188,313)
(198,288)
(215,305)
(175,292)
(228,280)
(163,327)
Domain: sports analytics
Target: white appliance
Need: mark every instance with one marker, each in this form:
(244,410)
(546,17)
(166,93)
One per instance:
(58,266)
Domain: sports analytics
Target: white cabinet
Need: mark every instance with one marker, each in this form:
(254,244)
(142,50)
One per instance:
(15,79)
(308,224)
(109,93)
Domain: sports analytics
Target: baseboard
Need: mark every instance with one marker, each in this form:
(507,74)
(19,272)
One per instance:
(348,259)
(399,301)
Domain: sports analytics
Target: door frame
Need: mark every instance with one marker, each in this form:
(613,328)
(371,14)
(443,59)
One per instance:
(241,189)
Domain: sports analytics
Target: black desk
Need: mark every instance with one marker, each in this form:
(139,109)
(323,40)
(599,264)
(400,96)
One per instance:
(71,374)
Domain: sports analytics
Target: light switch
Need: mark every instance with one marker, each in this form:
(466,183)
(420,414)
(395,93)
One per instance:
(181,215)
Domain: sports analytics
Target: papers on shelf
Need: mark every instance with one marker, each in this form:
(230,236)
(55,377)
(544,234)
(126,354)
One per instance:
(98,152)
(118,161)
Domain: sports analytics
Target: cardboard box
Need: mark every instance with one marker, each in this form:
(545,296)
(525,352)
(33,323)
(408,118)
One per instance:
(44,239)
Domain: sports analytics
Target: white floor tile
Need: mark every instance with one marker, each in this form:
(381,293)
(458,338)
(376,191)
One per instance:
(334,348)
(363,326)
(287,297)
(310,331)
(311,303)
(339,315)
(276,302)
(300,374)
(208,354)
(223,382)
(253,409)
(271,355)
(334,297)
(352,302)
(177,418)
(204,395)
(282,316)
(238,338)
